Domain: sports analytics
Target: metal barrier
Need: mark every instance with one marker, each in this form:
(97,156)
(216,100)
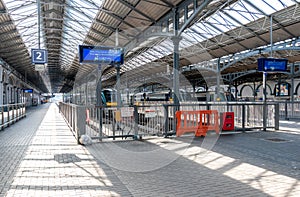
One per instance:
(247,115)
(75,117)
(136,121)
(11,113)
(289,109)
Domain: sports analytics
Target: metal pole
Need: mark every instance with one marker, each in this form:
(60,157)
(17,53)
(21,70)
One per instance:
(39,22)
(236,90)
(264,86)
(118,87)
(166,115)
(136,121)
(86,91)
(176,41)
(176,93)
(230,86)
(218,81)
(254,91)
(99,101)
(279,84)
(292,88)
(243,117)
(118,74)
(117,37)
(271,34)
(265,102)
(118,67)
(276,116)
(127,91)
(264,79)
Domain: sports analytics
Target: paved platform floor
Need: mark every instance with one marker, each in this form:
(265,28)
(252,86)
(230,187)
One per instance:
(39,157)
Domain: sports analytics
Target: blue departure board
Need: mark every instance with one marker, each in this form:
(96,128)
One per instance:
(272,64)
(28,90)
(101,55)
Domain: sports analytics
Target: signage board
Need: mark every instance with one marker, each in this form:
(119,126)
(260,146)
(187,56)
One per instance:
(272,64)
(39,56)
(39,67)
(127,112)
(101,55)
(28,90)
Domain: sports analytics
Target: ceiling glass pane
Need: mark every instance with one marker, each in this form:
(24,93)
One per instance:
(79,17)
(24,14)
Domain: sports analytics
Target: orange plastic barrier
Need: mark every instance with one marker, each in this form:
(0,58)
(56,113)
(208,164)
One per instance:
(198,122)
(209,120)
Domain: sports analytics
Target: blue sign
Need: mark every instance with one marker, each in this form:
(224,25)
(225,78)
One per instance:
(39,56)
(28,90)
(272,64)
(101,55)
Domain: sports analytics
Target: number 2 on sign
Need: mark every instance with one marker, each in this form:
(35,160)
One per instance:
(39,55)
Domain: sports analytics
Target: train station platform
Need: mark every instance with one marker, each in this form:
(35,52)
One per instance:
(39,156)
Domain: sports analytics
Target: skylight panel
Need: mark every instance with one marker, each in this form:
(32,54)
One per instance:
(143,59)
(274,4)
(193,33)
(25,17)
(219,23)
(280,4)
(185,42)
(155,53)
(168,45)
(190,37)
(163,50)
(239,12)
(149,55)
(251,12)
(79,16)
(205,30)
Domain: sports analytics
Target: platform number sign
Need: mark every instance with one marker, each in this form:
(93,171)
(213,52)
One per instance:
(39,56)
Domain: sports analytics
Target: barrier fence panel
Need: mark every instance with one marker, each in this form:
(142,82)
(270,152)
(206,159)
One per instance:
(11,113)
(289,110)
(137,121)
(247,115)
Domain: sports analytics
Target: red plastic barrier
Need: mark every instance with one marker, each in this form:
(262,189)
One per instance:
(227,121)
(198,122)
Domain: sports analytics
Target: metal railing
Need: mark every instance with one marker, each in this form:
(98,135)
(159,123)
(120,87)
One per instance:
(289,110)
(247,115)
(11,113)
(135,121)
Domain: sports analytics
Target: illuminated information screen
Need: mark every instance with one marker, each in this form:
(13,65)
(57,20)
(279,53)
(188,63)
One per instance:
(101,55)
(272,64)
(28,90)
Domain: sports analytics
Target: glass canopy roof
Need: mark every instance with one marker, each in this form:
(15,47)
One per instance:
(78,16)
(228,18)
(56,26)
